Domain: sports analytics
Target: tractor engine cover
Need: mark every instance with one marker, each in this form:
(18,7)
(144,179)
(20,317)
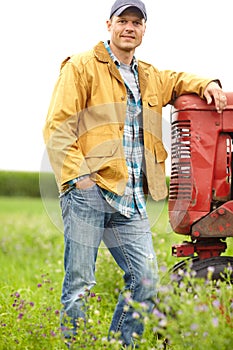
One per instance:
(201,168)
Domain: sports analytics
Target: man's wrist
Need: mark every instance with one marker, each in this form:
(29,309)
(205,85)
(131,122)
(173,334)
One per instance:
(77,179)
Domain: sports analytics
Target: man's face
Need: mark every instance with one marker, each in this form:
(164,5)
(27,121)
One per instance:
(127,30)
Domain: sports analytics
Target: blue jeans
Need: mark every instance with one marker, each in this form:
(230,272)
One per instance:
(88,220)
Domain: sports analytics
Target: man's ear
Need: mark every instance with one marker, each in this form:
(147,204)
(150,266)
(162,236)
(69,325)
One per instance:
(144,29)
(109,24)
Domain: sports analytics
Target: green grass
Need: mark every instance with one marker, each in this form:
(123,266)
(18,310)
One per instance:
(31,260)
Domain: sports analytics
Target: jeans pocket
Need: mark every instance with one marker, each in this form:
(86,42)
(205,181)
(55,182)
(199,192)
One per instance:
(88,199)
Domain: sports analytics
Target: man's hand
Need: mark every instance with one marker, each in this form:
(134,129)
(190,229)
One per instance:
(214,93)
(84,184)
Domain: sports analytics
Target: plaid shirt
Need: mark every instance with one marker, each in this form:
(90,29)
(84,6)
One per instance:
(133,199)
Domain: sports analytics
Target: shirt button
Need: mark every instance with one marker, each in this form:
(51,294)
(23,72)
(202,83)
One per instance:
(122,98)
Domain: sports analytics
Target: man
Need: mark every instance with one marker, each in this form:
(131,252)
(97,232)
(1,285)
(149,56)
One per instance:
(104,139)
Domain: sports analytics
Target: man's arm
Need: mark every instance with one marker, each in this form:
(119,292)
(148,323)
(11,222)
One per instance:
(61,127)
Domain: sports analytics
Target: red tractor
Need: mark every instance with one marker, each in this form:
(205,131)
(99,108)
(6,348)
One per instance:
(201,186)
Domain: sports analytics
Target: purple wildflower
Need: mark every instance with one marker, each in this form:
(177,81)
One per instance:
(215,322)
(136,315)
(194,326)
(216,303)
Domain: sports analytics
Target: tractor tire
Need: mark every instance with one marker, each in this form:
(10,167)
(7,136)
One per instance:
(201,267)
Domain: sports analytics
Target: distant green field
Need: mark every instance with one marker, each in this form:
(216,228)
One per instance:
(31,260)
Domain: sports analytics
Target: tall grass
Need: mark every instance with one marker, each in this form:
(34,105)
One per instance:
(192,314)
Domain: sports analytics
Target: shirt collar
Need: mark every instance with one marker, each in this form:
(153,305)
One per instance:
(134,63)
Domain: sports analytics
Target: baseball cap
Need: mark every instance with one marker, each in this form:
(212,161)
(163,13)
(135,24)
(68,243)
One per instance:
(120,6)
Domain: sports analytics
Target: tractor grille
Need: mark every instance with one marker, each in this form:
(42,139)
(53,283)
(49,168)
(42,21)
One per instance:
(180,183)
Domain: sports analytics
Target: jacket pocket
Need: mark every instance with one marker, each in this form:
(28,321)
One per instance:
(106,157)
(102,149)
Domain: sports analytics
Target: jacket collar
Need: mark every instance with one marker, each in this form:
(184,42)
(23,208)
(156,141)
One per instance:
(102,55)
(143,79)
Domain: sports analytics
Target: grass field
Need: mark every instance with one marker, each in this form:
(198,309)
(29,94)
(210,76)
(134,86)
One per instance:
(31,260)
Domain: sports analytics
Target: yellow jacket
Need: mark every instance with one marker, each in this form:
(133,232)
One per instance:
(85,122)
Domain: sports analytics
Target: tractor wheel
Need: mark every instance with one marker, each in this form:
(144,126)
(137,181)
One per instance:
(201,267)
